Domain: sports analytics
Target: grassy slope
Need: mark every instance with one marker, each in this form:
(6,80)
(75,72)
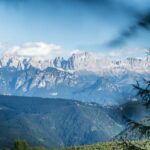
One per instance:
(126,145)
(134,145)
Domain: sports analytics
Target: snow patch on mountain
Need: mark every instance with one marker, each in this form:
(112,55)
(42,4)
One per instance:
(78,62)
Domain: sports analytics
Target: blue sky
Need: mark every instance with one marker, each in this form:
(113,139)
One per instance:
(76,24)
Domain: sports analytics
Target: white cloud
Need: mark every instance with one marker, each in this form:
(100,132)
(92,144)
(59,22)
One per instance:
(76,51)
(45,50)
(115,53)
(35,49)
(3,48)
(122,53)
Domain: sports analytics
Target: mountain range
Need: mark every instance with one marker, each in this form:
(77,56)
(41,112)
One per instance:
(106,99)
(80,77)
